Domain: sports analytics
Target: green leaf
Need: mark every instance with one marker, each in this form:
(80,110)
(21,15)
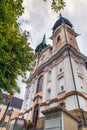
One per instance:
(57,5)
(16,54)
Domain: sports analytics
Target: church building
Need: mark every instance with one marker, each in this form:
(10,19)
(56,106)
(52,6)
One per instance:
(57,86)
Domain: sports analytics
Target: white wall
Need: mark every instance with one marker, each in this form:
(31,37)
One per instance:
(45,87)
(71,103)
(68,75)
(25,99)
(29,96)
(53,104)
(63,37)
(76,70)
(82,103)
(41,109)
(54,82)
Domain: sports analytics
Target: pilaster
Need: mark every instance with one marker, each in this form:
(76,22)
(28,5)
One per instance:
(54,82)
(45,85)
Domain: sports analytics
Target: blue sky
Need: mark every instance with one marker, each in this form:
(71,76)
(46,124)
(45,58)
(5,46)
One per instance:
(38,19)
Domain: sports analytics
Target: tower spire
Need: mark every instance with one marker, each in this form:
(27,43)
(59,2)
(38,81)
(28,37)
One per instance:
(60,15)
(44,39)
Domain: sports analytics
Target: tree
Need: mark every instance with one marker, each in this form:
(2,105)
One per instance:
(15,51)
(57,5)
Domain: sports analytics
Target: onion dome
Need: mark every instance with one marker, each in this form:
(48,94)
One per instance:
(60,21)
(41,46)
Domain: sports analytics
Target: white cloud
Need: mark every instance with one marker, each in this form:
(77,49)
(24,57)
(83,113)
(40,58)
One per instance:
(22,88)
(38,19)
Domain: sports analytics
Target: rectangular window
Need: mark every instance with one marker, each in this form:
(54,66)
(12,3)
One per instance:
(60,67)
(77,66)
(61,85)
(48,92)
(27,92)
(49,76)
(81,82)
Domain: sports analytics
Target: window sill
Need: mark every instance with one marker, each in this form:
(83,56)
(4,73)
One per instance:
(84,91)
(47,100)
(61,92)
(38,92)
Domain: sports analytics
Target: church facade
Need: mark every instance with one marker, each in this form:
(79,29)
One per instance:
(59,76)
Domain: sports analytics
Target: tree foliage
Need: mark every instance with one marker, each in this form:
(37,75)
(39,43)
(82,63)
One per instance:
(15,52)
(57,5)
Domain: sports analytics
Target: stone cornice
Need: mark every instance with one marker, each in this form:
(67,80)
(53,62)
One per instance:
(60,52)
(58,109)
(71,31)
(37,97)
(75,93)
(55,100)
(62,26)
(63,98)
(26,111)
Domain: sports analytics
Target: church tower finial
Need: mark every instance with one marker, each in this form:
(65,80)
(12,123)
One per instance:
(60,15)
(42,45)
(44,39)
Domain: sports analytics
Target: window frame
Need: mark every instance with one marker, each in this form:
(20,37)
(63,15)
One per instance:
(60,90)
(58,38)
(39,84)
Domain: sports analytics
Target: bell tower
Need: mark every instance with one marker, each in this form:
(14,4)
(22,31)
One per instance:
(73,78)
(63,33)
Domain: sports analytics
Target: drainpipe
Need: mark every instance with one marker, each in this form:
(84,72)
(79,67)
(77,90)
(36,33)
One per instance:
(73,79)
(79,125)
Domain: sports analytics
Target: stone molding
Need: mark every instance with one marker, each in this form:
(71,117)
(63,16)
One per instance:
(66,96)
(55,100)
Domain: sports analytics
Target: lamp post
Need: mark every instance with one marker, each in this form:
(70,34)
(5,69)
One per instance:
(3,118)
(9,113)
(1,121)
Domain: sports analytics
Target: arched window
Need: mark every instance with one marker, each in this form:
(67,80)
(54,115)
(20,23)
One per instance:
(58,38)
(35,114)
(39,85)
